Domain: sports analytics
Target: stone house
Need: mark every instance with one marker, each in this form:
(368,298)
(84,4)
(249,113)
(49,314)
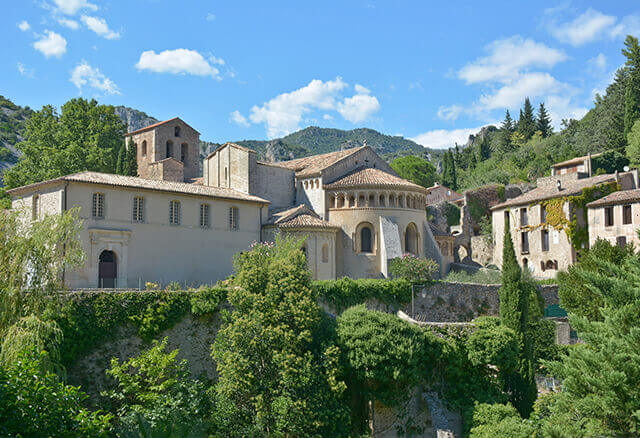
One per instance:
(616,218)
(540,246)
(438,193)
(169,225)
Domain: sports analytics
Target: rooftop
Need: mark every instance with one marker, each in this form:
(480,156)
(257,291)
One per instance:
(620,197)
(313,165)
(573,161)
(235,145)
(155,125)
(143,183)
(368,177)
(298,217)
(569,188)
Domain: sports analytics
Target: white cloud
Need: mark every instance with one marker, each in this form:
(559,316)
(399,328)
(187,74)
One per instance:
(507,58)
(510,95)
(67,22)
(450,112)
(560,107)
(51,44)
(283,113)
(214,60)
(597,63)
(71,7)
(587,27)
(178,61)
(360,107)
(99,26)
(327,117)
(444,138)
(239,119)
(210,17)
(85,75)
(25,71)
(24,26)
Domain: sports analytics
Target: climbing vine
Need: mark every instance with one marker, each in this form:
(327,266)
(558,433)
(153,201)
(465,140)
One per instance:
(578,233)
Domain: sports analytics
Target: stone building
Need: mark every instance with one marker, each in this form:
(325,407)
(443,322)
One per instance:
(168,225)
(541,247)
(616,218)
(438,193)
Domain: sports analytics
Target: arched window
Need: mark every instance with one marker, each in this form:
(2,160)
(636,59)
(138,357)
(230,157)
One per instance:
(325,253)
(361,201)
(411,239)
(169,149)
(366,239)
(332,201)
(184,150)
(401,201)
(144,148)
(381,201)
(341,201)
(372,201)
(352,201)
(392,200)
(176,131)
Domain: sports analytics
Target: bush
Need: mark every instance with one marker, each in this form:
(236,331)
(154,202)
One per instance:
(482,276)
(346,292)
(493,344)
(497,420)
(414,269)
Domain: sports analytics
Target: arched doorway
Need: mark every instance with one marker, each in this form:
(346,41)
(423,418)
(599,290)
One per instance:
(107,269)
(411,239)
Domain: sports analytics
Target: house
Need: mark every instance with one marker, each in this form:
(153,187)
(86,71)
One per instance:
(616,218)
(438,193)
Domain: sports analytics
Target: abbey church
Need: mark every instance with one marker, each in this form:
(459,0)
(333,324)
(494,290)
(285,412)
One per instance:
(170,224)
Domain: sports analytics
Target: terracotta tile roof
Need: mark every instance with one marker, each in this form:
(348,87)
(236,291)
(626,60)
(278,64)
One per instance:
(155,125)
(550,191)
(147,184)
(315,164)
(368,177)
(576,160)
(230,144)
(299,217)
(620,197)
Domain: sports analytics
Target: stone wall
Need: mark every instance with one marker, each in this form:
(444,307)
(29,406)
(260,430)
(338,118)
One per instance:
(482,250)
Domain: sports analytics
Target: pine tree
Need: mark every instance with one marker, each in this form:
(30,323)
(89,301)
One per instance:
(484,150)
(632,94)
(473,161)
(543,121)
(504,136)
(507,124)
(449,171)
(514,313)
(130,165)
(527,122)
(122,159)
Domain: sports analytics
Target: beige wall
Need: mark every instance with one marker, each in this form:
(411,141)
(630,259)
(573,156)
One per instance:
(309,191)
(597,228)
(275,184)
(229,167)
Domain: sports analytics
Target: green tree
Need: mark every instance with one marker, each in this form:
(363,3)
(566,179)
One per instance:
(515,299)
(543,121)
(415,169)
(131,166)
(632,95)
(85,136)
(484,150)
(121,162)
(504,136)
(449,178)
(633,144)
(278,368)
(527,122)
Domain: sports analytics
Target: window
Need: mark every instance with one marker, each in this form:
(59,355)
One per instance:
(325,253)
(144,148)
(169,149)
(608,216)
(544,239)
(524,217)
(138,209)
(524,241)
(225,175)
(233,218)
(366,240)
(543,214)
(176,131)
(184,149)
(97,207)
(621,241)
(506,219)
(35,207)
(626,214)
(204,216)
(174,213)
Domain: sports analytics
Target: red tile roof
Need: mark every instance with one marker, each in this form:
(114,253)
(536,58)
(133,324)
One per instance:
(371,177)
(155,125)
(313,165)
(299,217)
(621,197)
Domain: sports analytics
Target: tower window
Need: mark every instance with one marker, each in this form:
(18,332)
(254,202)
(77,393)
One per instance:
(176,131)
(169,149)
(144,148)
(184,149)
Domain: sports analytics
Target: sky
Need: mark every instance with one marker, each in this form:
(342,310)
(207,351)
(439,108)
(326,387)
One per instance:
(430,71)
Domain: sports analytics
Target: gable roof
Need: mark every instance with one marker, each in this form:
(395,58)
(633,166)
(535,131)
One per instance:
(155,125)
(315,164)
(372,177)
(623,196)
(550,191)
(146,184)
(299,217)
(235,145)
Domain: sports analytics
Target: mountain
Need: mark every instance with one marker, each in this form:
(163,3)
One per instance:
(12,123)
(133,118)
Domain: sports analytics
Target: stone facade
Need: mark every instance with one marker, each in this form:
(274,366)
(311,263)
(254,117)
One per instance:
(437,194)
(615,218)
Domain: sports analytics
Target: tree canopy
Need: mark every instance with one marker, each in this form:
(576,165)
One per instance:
(415,169)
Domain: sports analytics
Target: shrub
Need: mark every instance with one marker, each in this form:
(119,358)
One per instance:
(346,292)
(412,268)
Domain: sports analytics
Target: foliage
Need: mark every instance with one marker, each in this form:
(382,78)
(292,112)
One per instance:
(385,354)
(527,122)
(127,163)
(413,268)
(84,136)
(278,373)
(493,344)
(415,169)
(609,162)
(632,94)
(346,292)
(633,145)
(449,178)
(156,387)
(32,334)
(543,121)
(37,403)
(452,212)
(498,420)
(514,313)
(481,276)
(576,294)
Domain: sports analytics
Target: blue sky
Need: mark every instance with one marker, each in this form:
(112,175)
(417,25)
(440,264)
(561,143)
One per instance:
(430,71)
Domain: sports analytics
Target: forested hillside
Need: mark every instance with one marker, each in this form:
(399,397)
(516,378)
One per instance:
(12,123)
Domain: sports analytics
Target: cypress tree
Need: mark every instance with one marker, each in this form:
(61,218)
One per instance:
(130,166)
(504,139)
(544,121)
(122,159)
(484,150)
(527,122)
(449,171)
(632,93)
(514,313)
